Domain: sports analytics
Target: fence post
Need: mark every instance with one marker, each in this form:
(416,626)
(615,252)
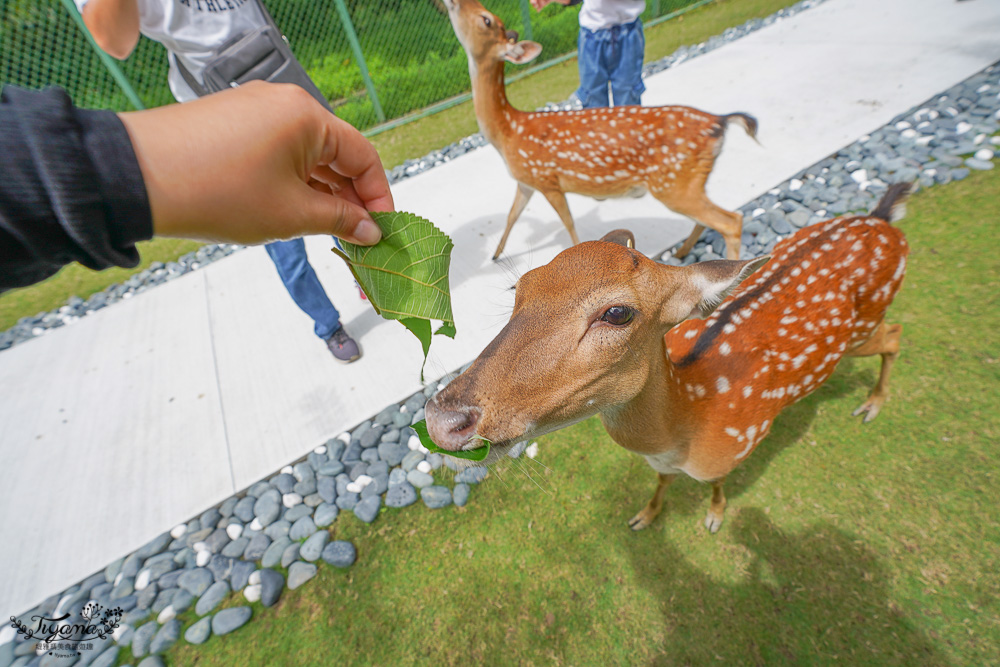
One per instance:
(526,19)
(108,61)
(656,8)
(352,37)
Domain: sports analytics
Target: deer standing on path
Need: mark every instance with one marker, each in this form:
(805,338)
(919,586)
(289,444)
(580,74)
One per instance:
(601,330)
(602,153)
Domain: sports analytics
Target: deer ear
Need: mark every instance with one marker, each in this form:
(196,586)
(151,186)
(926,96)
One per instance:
(522,52)
(705,285)
(621,237)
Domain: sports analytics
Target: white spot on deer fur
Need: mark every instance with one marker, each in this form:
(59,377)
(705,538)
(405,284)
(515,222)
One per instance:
(747,390)
(722,384)
(699,390)
(691,334)
(728,328)
(724,349)
(730,431)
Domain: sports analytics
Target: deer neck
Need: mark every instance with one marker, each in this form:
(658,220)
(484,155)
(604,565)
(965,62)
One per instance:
(650,423)
(489,97)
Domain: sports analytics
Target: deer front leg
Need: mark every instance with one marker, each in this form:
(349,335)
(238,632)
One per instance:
(520,201)
(718,507)
(558,201)
(885,341)
(682,252)
(652,509)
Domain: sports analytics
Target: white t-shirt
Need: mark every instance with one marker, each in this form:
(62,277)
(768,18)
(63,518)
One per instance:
(602,14)
(191,30)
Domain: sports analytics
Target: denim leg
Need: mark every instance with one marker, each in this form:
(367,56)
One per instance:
(593,91)
(626,70)
(300,280)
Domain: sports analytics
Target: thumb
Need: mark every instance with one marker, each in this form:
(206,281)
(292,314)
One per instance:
(328,214)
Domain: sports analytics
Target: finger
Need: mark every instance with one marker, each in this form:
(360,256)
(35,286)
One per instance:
(328,214)
(349,154)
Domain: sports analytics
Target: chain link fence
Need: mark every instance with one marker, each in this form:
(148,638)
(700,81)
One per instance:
(375,60)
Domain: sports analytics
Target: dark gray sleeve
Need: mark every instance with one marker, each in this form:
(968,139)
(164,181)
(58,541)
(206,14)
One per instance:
(70,188)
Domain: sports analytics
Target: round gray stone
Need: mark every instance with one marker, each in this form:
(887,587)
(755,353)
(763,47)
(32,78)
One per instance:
(302,528)
(166,636)
(300,573)
(108,658)
(257,547)
(212,597)
(400,495)
(244,509)
(142,638)
(367,509)
(152,661)
(472,475)
(236,548)
(340,553)
(271,585)
(273,554)
(313,547)
(419,479)
(436,497)
(325,515)
(267,509)
(291,554)
(295,513)
(461,494)
(242,569)
(331,469)
(196,581)
(228,620)
(181,601)
(278,529)
(199,632)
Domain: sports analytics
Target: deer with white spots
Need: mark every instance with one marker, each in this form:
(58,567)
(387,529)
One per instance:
(601,153)
(604,330)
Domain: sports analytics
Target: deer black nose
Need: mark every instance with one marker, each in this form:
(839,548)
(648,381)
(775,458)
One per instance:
(512,35)
(451,428)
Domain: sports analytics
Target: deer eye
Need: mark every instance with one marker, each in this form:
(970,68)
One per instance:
(617,315)
(487,21)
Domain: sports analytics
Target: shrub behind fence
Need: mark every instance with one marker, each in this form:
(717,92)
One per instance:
(405,47)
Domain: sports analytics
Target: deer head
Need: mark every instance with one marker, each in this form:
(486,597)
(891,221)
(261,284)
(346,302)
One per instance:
(484,36)
(585,336)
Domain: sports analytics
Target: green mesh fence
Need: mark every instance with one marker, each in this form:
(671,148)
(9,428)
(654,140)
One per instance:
(412,57)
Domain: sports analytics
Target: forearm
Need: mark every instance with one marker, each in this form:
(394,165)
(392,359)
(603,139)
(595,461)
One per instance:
(114,25)
(72,189)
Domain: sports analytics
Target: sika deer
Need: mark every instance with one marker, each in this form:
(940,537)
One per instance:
(600,329)
(602,153)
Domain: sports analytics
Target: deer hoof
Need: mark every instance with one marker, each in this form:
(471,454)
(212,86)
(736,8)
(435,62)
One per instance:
(713,522)
(642,519)
(869,409)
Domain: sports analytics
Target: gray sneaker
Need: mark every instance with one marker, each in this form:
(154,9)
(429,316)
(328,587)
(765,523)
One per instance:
(343,347)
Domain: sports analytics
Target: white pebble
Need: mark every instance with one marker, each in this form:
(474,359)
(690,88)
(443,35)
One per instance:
(118,578)
(932,114)
(774,191)
(234,530)
(320,450)
(403,409)
(119,631)
(256,524)
(794,184)
(345,438)
(931,172)
(909,134)
(7,634)
(864,137)
(413,442)
(860,175)
(983,88)
(166,615)
(363,481)
(980,138)
(142,580)
(532,450)
(440,386)
(199,546)
(923,141)
(287,470)
(424,466)
(984,154)
(353,487)
(201,560)
(178,531)
(252,593)
(962,127)
(903,125)
(254,578)
(995,140)
(290,500)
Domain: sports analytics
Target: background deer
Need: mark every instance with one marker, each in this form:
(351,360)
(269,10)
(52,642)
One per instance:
(602,153)
(601,330)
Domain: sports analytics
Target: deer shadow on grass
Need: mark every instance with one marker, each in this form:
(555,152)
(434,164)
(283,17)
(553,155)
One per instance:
(814,596)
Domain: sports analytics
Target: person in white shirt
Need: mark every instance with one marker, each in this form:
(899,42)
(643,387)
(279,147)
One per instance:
(192,30)
(611,47)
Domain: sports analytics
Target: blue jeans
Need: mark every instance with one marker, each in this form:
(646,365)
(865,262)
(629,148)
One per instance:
(612,56)
(300,280)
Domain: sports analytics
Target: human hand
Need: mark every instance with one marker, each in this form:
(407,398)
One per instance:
(258,163)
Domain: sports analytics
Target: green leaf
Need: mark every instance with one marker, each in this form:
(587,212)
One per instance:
(405,275)
(478,454)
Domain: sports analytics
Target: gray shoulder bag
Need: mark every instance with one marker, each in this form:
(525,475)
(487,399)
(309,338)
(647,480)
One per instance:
(261,54)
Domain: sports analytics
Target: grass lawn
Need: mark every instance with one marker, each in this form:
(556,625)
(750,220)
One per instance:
(844,543)
(409,141)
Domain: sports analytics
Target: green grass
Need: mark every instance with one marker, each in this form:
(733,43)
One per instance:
(408,141)
(844,543)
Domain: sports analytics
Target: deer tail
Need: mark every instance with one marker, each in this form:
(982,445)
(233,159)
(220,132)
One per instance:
(892,206)
(748,122)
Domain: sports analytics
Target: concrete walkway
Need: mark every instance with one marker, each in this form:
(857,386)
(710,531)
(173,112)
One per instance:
(147,413)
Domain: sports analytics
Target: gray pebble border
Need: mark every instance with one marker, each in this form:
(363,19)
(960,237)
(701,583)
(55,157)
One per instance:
(272,536)
(159,273)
